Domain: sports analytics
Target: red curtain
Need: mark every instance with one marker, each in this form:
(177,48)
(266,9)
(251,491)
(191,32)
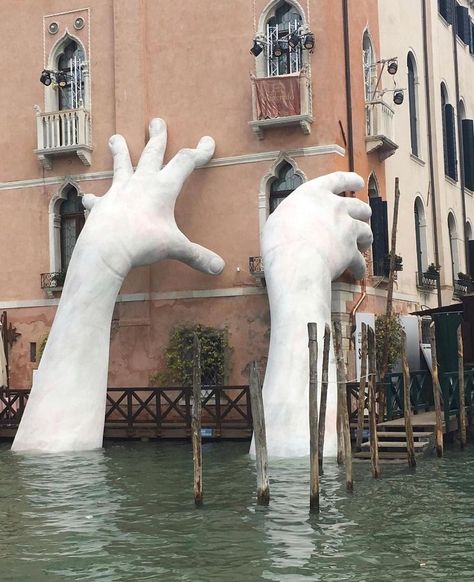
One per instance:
(278,96)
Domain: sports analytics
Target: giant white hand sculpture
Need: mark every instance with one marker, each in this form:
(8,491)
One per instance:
(133,224)
(309,240)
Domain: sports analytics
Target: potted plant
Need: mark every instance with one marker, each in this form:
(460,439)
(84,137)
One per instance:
(432,272)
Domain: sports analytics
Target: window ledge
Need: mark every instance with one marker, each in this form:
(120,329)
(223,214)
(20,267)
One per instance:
(418,160)
(304,121)
(46,155)
(451,180)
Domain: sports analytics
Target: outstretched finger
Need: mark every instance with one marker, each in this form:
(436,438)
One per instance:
(358,266)
(151,159)
(339,182)
(358,209)
(122,164)
(185,161)
(365,238)
(200,258)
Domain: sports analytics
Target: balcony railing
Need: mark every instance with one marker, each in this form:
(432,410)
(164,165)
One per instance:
(462,287)
(53,280)
(427,280)
(256,266)
(281,100)
(63,132)
(379,129)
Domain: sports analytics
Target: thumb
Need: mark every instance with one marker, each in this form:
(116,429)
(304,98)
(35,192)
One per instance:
(200,258)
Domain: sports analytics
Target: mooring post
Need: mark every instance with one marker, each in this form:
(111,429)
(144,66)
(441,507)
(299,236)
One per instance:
(372,396)
(436,393)
(324,395)
(362,383)
(260,439)
(196,421)
(407,405)
(313,417)
(342,407)
(461,388)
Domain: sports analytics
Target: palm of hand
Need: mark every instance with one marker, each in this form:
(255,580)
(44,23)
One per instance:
(314,220)
(133,224)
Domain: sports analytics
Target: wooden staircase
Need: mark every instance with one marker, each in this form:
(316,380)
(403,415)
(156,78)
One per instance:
(392,443)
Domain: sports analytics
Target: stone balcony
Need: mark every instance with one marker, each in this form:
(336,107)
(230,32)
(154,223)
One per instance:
(281,101)
(380,129)
(61,133)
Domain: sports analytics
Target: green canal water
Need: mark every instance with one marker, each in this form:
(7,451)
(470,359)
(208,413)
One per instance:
(126,513)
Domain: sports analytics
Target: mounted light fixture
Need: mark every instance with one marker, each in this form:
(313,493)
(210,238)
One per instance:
(46,78)
(256,49)
(308,42)
(277,49)
(392,67)
(398,96)
(292,41)
(61,79)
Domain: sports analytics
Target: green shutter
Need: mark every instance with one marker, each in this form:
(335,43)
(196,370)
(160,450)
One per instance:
(451,142)
(468,151)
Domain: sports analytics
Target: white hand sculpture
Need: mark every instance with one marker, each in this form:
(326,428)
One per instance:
(133,224)
(308,241)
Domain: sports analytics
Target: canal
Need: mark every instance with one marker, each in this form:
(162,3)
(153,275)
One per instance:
(126,513)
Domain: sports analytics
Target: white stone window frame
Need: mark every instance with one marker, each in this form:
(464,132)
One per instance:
(261,35)
(55,223)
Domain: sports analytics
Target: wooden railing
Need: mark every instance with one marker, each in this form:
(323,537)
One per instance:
(158,408)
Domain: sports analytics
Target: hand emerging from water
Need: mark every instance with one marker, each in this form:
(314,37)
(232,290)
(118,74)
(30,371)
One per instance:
(133,224)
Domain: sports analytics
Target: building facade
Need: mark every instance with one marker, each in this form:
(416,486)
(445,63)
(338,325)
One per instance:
(302,103)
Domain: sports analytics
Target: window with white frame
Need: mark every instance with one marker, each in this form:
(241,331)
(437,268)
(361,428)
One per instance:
(70,67)
(283,185)
(281,57)
(370,67)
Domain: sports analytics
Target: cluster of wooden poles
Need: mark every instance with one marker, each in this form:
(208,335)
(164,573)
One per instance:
(317,419)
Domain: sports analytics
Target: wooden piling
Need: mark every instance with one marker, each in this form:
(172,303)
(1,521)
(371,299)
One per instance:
(362,384)
(260,439)
(324,395)
(342,404)
(313,417)
(461,389)
(372,396)
(436,393)
(407,405)
(196,422)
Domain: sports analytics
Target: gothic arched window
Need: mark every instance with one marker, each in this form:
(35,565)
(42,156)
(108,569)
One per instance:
(70,65)
(283,184)
(413,103)
(72,221)
(282,23)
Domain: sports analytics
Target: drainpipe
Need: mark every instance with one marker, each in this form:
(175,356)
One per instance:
(430,145)
(460,142)
(347,62)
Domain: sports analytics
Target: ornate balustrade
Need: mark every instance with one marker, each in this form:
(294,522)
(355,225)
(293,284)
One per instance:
(63,132)
(380,135)
(53,280)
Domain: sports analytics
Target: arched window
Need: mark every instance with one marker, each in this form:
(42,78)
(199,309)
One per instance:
(453,245)
(72,220)
(284,20)
(449,135)
(379,226)
(370,67)
(413,103)
(420,236)
(70,65)
(285,182)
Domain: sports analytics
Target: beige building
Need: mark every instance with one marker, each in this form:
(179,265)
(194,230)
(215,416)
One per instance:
(434,43)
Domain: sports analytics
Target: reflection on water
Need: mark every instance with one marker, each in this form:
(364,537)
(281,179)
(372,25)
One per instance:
(127,513)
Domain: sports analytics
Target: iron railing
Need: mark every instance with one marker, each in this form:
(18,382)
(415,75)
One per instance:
(53,280)
(427,280)
(462,287)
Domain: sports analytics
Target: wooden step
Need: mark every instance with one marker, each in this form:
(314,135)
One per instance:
(403,435)
(383,455)
(395,445)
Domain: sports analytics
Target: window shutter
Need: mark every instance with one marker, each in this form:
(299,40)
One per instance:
(468,151)
(449,11)
(379,225)
(451,142)
(471,38)
(462,23)
(471,257)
